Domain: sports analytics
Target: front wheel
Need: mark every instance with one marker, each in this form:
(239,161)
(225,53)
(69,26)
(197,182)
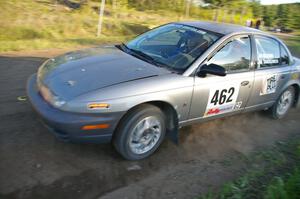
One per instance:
(140,133)
(283,103)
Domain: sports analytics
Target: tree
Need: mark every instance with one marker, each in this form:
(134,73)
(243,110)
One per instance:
(267,17)
(283,16)
(233,5)
(256,8)
(294,16)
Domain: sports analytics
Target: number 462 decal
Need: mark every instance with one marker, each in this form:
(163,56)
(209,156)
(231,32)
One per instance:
(223,96)
(222,99)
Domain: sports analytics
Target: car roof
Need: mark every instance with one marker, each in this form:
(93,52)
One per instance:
(221,28)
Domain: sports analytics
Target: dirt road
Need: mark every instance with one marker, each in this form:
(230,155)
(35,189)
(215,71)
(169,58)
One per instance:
(33,164)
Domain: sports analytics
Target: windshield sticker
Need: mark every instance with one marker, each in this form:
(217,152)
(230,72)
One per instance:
(266,56)
(222,99)
(269,85)
(270,61)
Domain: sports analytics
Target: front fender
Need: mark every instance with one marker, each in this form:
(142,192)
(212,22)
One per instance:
(173,89)
(179,99)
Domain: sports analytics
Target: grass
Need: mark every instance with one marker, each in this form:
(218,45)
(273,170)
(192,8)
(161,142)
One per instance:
(294,44)
(273,174)
(284,188)
(38,44)
(292,41)
(42,24)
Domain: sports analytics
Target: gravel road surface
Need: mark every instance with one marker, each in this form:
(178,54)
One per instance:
(33,164)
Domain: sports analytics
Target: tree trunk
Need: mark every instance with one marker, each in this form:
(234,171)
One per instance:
(216,15)
(187,8)
(114,5)
(242,14)
(232,16)
(224,15)
(115,9)
(101,11)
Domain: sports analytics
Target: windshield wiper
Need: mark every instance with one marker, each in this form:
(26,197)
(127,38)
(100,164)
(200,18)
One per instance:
(143,56)
(137,52)
(141,53)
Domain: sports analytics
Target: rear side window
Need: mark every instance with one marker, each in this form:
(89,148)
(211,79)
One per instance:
(268,52)
(284,57)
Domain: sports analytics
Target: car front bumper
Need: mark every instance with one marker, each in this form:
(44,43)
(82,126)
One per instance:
(67,126)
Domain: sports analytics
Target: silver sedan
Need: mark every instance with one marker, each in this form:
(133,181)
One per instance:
(136,93)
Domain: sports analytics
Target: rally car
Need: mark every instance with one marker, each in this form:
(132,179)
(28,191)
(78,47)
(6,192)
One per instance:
(135,93)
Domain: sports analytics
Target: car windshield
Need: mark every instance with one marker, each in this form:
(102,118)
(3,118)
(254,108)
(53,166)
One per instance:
(174,46)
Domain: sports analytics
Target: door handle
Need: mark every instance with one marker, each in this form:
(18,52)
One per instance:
(282,77)
(245,83)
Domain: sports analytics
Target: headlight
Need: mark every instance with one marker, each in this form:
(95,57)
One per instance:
(50,97)
(42,70)
(46,93)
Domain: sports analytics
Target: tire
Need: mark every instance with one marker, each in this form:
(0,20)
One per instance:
(276,111)
(133,131)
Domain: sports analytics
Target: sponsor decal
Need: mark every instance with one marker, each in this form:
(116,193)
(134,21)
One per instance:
(266,58)
(223,109)
(238,105)
(269,85)
(213,111)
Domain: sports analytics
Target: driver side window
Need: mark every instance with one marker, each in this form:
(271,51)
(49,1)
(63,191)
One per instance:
(234,56)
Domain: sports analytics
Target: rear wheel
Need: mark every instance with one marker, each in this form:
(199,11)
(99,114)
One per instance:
(283,103)
(140,133)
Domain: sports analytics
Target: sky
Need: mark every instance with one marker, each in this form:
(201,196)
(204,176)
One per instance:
(268,2)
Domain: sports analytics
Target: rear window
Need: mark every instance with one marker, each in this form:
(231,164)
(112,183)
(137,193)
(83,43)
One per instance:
(268,52)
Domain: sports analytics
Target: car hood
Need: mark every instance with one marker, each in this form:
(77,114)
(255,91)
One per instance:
(79,72)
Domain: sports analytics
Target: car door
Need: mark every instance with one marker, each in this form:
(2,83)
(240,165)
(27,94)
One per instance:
(271,74)
(216,96)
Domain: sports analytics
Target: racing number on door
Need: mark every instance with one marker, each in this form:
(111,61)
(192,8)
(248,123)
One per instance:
(220,97)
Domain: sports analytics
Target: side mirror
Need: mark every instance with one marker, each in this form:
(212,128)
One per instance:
(212,69)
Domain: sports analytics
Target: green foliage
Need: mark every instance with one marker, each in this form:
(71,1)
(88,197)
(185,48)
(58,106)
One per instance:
(276,190)
(282,16)
(284,188)
(22,33)
(41,24)
(293,42)
(221,3)
(258,181)
(256,8)
(269,15)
